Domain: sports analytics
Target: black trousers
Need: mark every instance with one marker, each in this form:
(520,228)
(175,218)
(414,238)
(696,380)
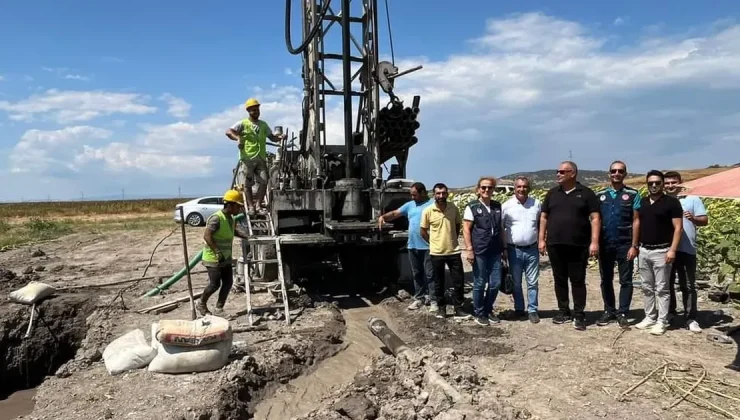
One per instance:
(685,268)
(222,277)
(608,256)
(569,262)
(457,276)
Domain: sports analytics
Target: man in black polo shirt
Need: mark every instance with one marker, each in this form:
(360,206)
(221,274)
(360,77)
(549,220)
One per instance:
(661,225)
(569,231)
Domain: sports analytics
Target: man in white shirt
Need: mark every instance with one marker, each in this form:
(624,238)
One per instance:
(521,215)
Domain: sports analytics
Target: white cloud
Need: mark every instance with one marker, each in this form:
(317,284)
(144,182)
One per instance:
(621,20)
(123,156)
(76,77)
(288,71)
(39,150)
(1,78)
(529,89)
(178,107)
(74,106)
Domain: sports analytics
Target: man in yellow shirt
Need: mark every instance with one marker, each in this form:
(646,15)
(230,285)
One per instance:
(251,135)
(440,227)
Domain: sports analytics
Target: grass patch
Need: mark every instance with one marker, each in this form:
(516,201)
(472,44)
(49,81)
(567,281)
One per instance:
(60,209)
(40,229)
(34,230)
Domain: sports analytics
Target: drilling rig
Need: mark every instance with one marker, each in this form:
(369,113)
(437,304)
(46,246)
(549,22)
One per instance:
(325,193)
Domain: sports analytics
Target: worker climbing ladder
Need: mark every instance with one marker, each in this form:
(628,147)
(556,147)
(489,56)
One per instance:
(261,231)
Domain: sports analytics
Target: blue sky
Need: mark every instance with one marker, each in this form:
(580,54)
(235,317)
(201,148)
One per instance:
(96,97)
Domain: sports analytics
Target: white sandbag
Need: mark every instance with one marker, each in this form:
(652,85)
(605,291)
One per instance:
(32,293)
(178,359)
(128,352)
(200,332)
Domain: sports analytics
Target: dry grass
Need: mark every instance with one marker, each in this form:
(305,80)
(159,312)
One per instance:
(65,209)
(39,229)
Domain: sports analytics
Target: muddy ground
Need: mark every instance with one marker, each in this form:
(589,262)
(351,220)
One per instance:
(328,365)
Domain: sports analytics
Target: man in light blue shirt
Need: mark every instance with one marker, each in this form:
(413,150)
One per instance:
(694,215)
(421,263)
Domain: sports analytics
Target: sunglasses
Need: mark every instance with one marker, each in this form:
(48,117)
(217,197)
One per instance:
(654,183)
(617,171)
(486,187)
(563,171)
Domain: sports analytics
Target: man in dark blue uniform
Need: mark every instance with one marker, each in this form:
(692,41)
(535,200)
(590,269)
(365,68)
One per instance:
(620,227)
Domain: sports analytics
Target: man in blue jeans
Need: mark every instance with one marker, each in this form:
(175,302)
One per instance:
(521,215)
(483,234)
(421,263)
(620,228)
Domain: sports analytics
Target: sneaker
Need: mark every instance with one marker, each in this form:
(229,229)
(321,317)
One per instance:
(534,318)
(481,320)
(461,315)
(561,318)
(623,321)
(579,324)
(202,308)
(694,327)
(493,319)
(416,304)
(658,328)
(439,312)
(645,324)
(605,319)
(433,307)
(218,311)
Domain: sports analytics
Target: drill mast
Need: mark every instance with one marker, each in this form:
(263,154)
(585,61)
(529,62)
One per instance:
(360,154)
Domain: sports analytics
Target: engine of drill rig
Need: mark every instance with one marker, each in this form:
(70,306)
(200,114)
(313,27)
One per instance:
(295,165)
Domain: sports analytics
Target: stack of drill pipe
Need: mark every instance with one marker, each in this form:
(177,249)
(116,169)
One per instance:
(398,125)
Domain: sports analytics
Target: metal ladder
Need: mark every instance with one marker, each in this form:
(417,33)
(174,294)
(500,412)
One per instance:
(262,231)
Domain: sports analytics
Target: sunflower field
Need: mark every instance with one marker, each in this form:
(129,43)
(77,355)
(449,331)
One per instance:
(718,242)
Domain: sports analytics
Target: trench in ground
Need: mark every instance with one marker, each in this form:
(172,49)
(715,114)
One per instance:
(304,393)
(59,327)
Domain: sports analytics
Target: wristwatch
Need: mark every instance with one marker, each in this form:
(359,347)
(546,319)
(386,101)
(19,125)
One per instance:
(635,246)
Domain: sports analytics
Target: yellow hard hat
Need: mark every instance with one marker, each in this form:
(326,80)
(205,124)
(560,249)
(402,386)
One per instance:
(251,102)
(232,196)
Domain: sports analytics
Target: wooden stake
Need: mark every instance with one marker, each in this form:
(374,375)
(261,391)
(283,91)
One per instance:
(187,264)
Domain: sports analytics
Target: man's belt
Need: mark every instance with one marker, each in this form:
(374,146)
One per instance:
(524,246)
(651,247)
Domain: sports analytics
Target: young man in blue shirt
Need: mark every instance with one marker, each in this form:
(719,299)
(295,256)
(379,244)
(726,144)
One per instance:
(694,215)
(419,258)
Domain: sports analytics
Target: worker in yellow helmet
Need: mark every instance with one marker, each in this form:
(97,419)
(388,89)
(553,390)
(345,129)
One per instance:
(251,135)
(219,237)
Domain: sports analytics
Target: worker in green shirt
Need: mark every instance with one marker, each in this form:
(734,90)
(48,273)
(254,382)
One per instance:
(251,135)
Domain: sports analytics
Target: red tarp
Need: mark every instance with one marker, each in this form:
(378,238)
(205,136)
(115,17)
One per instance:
(725,184)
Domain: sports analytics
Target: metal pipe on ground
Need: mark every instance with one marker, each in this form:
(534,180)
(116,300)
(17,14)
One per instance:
(400,349)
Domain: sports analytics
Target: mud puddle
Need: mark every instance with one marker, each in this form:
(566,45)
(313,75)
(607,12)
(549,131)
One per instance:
(304,394)
(19,403)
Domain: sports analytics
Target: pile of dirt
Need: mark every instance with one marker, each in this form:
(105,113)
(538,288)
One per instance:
(58,330)
(10,281)
(260,361)
(393,389)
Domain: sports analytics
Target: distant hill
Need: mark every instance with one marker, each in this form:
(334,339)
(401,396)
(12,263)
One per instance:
(546,178)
